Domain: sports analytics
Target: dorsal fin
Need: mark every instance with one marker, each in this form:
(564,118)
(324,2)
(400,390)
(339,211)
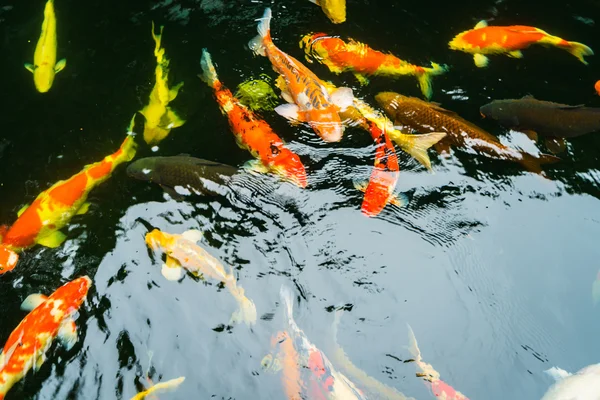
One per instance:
(32,301)
(481,24)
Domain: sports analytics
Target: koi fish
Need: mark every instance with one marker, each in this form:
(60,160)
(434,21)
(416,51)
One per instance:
(49,317)
(41,221)
(183,252)
(510,40)
(363,61)
(418,115)
(295,355)
(309,100)
(44,65)
(253,133)
(160,118)
(597,87)
(159,387)
(431,376)
(583,385)
(334,9)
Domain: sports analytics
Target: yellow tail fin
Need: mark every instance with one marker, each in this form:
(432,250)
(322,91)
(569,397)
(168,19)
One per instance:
(417,145)
(579,50)
(534,164)
(425,78)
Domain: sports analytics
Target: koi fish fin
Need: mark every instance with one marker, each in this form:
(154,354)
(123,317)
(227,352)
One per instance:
(172,193)
(558,374)
(360,185)
(531,134)
(37,364)
(85,207)
(256,166)
(172,270)
(174,120)
(556,145)
(315,2)
(60,65)
(53,240)
(363,80)
(288,301)
(32,301)
(209,73)
(289,111)
(399,199)
(246,312)
(534,164)
(128,149)
(271,364)
(285,91)
(480,60)
(8,259)
(287,96)
(160,387)
(516,54)
(417,145)
(22,210)
(342,98)
(481,24)
(264,33)
(30,67)
(579,50)
(425,78)
(193,235)
(413,347)
(67,333)
(175,91)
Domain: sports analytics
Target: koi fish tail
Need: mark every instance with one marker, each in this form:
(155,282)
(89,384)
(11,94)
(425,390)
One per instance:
(257,45)
(425,78)
(413,348)
(209,73)
(579,50)
(417,145)
(158,52)
(159,387)
(534,164)
(247,311)
(8,260)
(288,299)
(127,150)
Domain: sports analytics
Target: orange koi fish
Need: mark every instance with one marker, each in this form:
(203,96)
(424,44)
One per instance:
(363,61)
(252,133)
(309,100)
(50,317)
(41,221)
(510,40)
(439,388)
(597,87)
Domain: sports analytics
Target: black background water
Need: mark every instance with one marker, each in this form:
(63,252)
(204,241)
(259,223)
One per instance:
(490,265)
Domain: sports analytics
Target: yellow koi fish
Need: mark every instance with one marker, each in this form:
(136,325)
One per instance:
(160,118)
(334,9)
(44,59)
(159,387)
(183,252)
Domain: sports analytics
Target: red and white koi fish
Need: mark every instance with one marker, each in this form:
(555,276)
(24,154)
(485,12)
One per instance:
(50,317)
(41,221)
(510,40)
(252,133)
(432,378)
(309,100)
(363,61)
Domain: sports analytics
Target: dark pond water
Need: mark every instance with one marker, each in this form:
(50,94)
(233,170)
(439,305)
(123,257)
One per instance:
(492,266)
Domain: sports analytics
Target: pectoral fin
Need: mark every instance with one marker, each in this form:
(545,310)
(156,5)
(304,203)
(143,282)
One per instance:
(60,65)
(30,67)
(85,207)
(481,24)
(174,120)
(172,270)
(53,240)
(480,60)
(399,200)
(174,91)
(363,80)
(360,185)
(67,333)
(556,145)
(39,361)
(289,111)
(342,98)
(32,301)
(193,235)
(256,166)
(22,210)
(516,54)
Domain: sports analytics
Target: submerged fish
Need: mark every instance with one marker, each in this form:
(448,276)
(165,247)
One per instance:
(160,118)
(41,221)
(159,387)
(253,133)
(297,357)
(510,40)
(583,385)
(49,317)
(309,100)
(597,87)
(334,9)
(44,65)
(182,175)
(422,116)
(363,61)
(544,117)
(183,252)
(257,94)
(431,376)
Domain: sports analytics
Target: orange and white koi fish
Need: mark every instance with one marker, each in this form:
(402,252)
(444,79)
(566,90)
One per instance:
(334,9)
(252,133)
(296,356)
(49,317)
(183,252)
(309,100)
(159,387)
(160,118)
(439,388)
(510,40)
(41,221)
(363,61)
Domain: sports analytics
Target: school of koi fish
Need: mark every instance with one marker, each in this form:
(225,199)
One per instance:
(410,124)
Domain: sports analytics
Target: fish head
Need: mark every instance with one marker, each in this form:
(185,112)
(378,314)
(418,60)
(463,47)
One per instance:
(43,77)
(314,45)
(143,169)
(334,9)
(158,240)
(389,101)
(8,259)
(326,123)
(72,294)
(289,165)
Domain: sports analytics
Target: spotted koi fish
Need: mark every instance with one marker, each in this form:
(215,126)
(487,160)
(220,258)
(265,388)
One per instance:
(510,40)
(49,317)
(309,100)
(160,118)
(253,133)
(41,221)
(432,378)
(363,61)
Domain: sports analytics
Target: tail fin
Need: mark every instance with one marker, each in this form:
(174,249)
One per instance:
(557,373)
(425,78)
(209,73)
(247,311)
(579,50)
(288,299)
(264,32)
(534,164)
(159,387)
(413,348)
(158,52)
(8,259)
(417,145)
